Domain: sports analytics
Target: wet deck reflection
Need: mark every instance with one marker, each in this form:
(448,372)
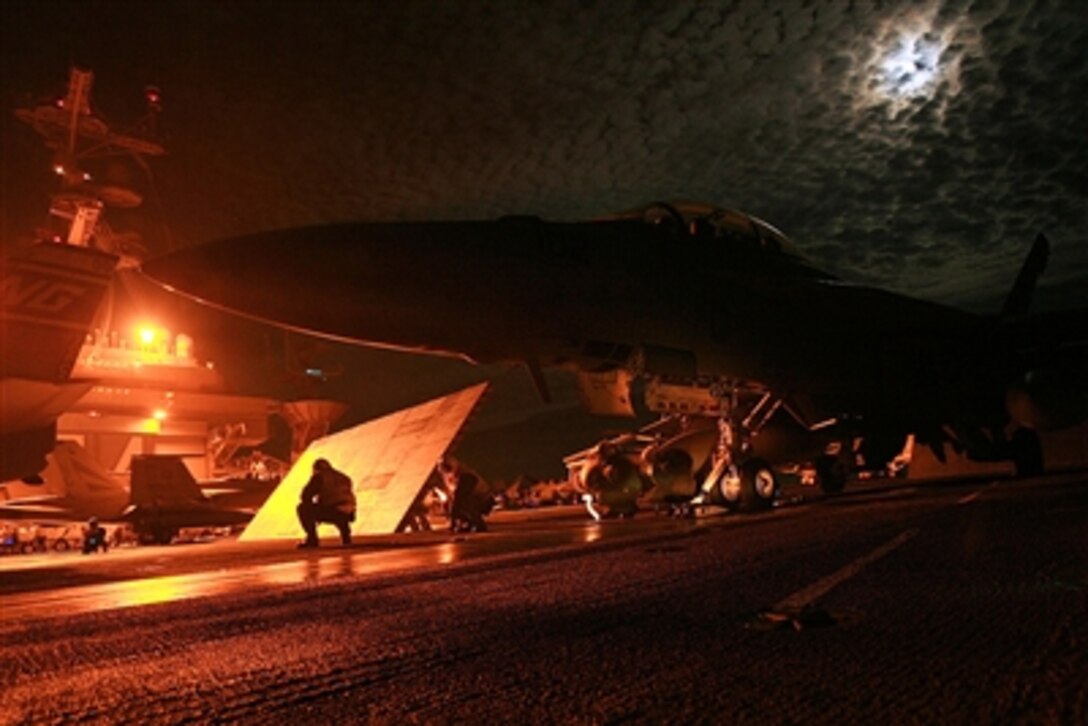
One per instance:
(227,570)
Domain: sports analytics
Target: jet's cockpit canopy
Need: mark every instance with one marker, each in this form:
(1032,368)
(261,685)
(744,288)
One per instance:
(700,220)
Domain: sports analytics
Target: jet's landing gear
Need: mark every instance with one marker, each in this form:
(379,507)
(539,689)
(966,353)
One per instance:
(150,532)
(1027,453)
(832,471)
(738,480)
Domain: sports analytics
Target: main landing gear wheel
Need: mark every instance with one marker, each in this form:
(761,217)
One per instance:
(758,486)
(726,492)
(156,534)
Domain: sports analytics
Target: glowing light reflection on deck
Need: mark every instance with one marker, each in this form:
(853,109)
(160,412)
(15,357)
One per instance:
(153,590)
(591,533)
(330,567)
(284,573)
(447,553)
(172,588)
(323,565)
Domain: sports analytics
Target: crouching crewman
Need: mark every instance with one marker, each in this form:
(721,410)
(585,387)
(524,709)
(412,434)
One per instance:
(94,537)
(472,499)
(328,497)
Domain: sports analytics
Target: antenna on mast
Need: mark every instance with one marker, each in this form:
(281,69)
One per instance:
(76,134)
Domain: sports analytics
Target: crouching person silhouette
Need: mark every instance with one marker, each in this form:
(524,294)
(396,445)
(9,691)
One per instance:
(472,498)
(327,497)
(94,537)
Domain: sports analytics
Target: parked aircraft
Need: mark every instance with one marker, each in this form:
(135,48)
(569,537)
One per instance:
(165,498)
(73,487)
(711,310)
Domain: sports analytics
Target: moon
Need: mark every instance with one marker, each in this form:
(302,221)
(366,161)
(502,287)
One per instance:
(911,67)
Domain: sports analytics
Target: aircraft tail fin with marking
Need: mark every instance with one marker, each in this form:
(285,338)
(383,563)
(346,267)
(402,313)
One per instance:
(158,480)
(1019,298)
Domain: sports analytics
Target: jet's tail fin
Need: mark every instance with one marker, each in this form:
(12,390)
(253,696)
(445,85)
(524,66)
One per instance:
(72,486)
(1019,298)
(87,484)
(163,479)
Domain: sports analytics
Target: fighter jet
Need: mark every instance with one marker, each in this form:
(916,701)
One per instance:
(709,311)
(73,487)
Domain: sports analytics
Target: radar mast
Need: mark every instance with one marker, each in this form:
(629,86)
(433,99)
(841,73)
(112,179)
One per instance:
(77,136)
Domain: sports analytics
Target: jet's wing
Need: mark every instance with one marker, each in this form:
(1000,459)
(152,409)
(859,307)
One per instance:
(607,393)
(37,511)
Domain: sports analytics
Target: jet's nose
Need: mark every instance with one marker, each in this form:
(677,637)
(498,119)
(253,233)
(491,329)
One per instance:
(401,285)
(197,272)
(299,278)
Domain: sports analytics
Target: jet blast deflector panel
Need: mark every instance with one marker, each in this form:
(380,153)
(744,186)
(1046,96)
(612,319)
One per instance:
(388,459)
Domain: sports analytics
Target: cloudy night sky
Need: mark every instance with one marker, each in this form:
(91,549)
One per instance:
(917,146)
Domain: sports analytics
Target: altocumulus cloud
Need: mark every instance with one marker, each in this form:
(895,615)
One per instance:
(915,145)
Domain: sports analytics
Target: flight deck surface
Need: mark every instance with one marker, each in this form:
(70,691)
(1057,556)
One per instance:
(958,602)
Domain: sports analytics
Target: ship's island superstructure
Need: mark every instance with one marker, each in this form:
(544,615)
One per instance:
(148,392)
